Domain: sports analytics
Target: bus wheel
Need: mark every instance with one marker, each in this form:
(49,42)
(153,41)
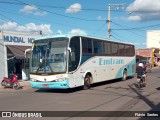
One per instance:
(124,77)
(86,82)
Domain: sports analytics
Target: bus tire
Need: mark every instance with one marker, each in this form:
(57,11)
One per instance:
(87,81)
(124,77)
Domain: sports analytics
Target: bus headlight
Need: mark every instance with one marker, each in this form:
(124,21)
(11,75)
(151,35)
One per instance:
(60,79)
(34,80)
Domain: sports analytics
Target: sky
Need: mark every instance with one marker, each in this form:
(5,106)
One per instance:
(129,21)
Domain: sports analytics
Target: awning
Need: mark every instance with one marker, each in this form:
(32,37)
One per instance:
(18,51)
(157,55)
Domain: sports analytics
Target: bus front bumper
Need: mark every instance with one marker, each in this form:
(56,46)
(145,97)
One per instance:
(50,85)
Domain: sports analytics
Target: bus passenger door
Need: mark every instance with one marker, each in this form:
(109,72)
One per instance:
(74,59)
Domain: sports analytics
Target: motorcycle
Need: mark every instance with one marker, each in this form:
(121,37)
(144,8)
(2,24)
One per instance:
(140,80)
(11,83)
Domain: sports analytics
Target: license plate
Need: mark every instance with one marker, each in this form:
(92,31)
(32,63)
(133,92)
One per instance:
(45,85)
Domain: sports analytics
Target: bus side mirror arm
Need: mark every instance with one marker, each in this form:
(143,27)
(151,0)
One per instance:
(27,50)
(69,49)
(72,54)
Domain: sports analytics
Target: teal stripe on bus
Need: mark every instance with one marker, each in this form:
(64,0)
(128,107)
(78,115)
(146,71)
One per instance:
(85,58)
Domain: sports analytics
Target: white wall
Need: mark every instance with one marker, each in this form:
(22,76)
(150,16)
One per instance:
(153,39)
(11,38)
(18,38)
(3,69)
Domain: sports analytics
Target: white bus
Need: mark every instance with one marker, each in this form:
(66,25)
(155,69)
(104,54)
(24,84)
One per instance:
(68,61)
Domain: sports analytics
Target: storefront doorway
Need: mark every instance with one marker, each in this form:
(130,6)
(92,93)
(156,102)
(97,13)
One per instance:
(15,66)
(16,60)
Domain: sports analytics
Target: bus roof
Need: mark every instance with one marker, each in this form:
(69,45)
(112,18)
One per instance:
(73,35)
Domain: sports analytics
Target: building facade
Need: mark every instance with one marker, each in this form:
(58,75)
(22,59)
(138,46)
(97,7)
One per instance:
(12,52)
(143,54)
(153,39)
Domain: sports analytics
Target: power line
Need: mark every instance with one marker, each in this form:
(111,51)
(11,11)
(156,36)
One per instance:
(127,30)
(113,33)
(9,18)
(139,28)
(54,22)
(40,19)
(116,38)
(97,30)
(131,31)
(59,7)
(60,14)
(47,21)
(21,3)
(85,9)
(10,3)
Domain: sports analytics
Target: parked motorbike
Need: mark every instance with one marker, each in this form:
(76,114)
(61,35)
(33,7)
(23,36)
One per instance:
(140,80)
(11,83)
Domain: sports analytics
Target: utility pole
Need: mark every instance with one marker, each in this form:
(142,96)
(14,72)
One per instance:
(40,32)
(109,17)
(109,22)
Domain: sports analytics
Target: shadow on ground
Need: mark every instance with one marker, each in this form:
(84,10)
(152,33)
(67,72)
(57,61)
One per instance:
(71,90)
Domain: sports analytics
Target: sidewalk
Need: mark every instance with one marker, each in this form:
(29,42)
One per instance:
(25,83)
(156,67)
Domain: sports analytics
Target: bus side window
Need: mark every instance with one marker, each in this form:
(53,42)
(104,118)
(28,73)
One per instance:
(86,45)
(85,50)
(129,50)
(121,50)
(98,47)
(107,48)
(114,48)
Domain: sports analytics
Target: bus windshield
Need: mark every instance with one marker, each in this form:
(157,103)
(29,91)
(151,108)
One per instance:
(49,56)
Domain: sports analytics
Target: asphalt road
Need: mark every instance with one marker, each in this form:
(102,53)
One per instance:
(114,95)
